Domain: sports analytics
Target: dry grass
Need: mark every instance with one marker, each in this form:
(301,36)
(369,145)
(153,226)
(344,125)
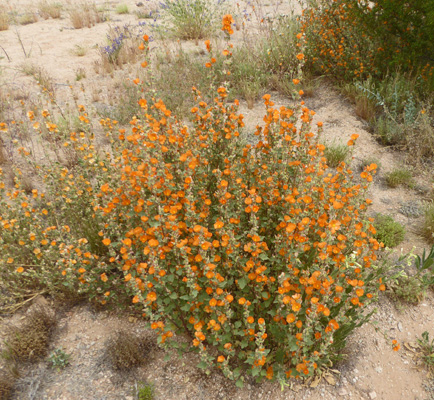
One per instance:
(40,75)
(79,51)
(125,52)
(6,385)
(126,350)
(49,10)
(30,341)
(4,20)
(365,108)
(27,18)
(86,15)
(3,155)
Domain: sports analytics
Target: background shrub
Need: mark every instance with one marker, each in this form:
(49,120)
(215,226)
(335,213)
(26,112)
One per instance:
(192,19)
(353,39)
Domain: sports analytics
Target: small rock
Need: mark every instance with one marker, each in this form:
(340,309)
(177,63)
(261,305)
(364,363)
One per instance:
(379,370)
(342,392)
(400,326)
(139,4)
(372,395)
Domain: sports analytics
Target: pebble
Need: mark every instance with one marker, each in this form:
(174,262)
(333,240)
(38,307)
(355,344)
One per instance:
(342,392)
(379,370)
(372,395)
(400,326)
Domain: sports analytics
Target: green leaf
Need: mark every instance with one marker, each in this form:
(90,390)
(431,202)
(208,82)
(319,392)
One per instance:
(202,365)
(238,324)
(280,355)
(173,296)
(239,383)
(242,283)
(256,371)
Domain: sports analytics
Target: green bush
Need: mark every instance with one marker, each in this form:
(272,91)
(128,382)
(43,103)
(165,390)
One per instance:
(145,392)
(389,232)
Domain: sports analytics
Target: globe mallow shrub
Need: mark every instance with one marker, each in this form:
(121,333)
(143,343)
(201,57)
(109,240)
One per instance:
(257,254)
(260,255)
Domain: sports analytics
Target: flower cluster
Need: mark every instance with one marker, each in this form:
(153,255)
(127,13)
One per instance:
(227,24)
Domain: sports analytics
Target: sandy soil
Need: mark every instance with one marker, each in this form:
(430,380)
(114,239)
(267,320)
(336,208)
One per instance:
(371,369)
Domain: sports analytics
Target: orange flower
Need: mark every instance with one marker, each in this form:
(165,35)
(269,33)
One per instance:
(152,296)
(300,56)
(106,241)
(220,359)
(218,224)
(227,22)
(290,318)
(208,45)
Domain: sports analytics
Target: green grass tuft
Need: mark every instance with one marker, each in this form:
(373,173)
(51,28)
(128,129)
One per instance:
(399,177)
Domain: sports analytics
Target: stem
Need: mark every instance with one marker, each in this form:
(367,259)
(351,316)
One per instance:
(1,47)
